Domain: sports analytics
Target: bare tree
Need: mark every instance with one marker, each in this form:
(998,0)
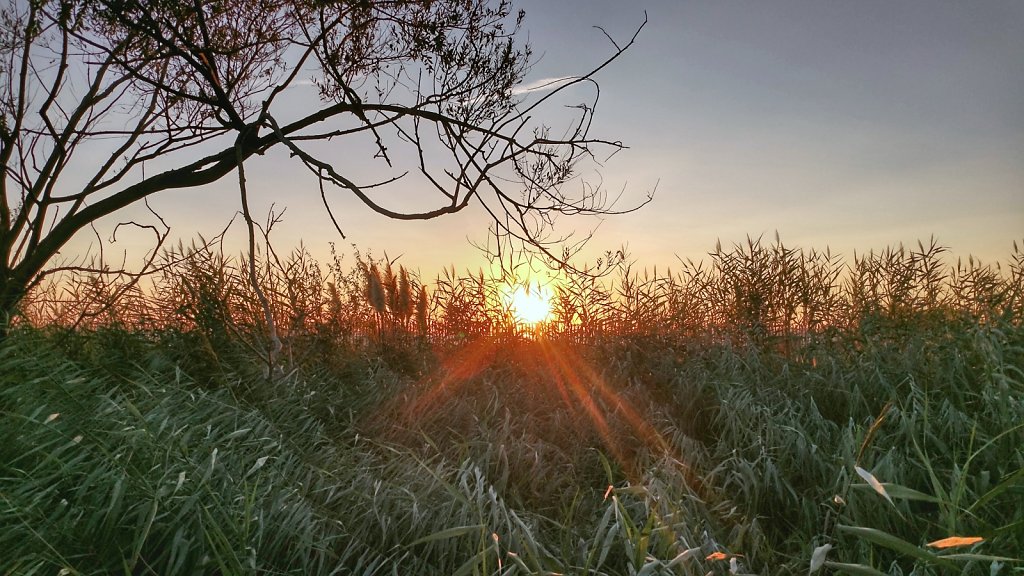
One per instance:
(428,87)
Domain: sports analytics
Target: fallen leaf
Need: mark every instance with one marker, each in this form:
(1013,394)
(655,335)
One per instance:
(259,464)
(873,482)
(818,557)
(955,542)
(52,417)
(715,556)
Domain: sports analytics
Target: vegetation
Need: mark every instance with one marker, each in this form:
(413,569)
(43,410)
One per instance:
(429,93)
(771,411)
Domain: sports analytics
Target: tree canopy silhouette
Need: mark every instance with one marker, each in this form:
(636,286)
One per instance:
(430,89)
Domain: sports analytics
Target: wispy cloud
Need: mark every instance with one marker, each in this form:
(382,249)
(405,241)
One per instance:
(543,84)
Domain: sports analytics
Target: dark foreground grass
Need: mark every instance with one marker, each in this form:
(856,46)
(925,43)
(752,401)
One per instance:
(121,453)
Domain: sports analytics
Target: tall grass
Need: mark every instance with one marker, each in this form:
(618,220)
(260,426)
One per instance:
(766,295)
(732,416)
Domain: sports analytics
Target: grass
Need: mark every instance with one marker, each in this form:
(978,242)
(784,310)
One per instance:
(729,418)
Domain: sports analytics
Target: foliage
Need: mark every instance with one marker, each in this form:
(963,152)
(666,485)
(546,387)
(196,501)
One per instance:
(174,95)
(866,445)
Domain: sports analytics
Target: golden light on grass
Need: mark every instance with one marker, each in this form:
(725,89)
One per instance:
(580,388)
(529,304)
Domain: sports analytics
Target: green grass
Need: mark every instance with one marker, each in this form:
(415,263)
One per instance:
(728,419)
(117,459)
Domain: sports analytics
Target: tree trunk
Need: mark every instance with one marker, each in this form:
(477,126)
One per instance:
(11,293)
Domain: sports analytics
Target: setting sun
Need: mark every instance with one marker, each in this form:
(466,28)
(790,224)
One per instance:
(530,305)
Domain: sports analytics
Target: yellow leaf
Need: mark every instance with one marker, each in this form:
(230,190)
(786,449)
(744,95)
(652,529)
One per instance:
(873,482)
(955,541)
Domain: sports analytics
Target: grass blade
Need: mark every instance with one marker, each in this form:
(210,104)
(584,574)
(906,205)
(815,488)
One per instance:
(894,543)
(449,533)
(855,569)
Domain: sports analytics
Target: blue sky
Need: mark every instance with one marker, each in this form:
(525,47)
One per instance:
(854,125)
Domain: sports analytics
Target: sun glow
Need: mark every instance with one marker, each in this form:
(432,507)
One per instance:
(529,305)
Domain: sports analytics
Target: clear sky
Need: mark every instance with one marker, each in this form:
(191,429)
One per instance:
(854,125)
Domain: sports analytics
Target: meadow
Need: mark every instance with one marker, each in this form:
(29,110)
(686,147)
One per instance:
(767,410)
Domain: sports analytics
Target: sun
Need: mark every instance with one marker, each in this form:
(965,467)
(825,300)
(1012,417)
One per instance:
(530,305)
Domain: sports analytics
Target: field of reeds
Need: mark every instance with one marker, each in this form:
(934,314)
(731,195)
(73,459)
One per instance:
(766,410)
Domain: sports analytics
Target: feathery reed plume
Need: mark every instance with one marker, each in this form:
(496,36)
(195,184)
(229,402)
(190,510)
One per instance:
(404,303)
(375,289)
(390,281)
(421,312)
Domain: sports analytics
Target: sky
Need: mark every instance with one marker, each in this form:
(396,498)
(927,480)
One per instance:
(848,125)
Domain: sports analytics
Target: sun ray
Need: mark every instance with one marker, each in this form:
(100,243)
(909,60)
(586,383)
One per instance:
(433,392)
(567,367)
